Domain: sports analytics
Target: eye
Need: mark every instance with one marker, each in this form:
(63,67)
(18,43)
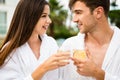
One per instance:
(44,16)
(78,12)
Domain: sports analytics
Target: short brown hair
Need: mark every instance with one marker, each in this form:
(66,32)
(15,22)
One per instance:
(92,4)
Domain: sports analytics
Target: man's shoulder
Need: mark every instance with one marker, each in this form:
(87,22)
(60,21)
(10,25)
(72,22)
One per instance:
(116,31)
(75,39)
(71,38)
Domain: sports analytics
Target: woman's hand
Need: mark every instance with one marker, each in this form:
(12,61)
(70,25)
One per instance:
(53,62)
(56,60)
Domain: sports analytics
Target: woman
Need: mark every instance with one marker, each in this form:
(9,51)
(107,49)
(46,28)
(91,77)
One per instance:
(27,52)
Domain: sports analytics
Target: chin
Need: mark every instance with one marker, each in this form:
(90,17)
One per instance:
(81,31)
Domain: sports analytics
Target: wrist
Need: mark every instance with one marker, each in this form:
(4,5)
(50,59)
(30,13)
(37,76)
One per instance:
(39,73)
(99,74)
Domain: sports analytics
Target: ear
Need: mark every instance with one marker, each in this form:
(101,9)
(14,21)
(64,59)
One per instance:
(98,12)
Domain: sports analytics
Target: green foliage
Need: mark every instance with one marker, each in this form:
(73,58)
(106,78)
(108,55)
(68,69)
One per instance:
(114,16)
(114,4)
(58,28)
(58,15)
(63,32)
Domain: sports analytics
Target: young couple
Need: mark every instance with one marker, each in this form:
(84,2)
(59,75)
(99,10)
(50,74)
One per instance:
(27,53)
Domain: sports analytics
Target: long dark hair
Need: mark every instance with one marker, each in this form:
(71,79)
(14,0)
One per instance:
(26,16)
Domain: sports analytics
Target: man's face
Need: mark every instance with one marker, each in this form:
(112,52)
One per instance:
(83,17)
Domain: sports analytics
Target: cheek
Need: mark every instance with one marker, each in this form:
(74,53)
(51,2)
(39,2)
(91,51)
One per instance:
(38,28)
(39,25)
(88,19)
(91,23)
(84,19)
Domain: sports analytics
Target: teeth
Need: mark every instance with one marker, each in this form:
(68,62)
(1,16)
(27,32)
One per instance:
(45,27)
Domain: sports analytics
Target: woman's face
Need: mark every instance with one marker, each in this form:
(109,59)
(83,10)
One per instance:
(44,22)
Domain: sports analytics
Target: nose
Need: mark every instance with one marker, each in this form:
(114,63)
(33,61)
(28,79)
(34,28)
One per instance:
(49,20)
(75,18)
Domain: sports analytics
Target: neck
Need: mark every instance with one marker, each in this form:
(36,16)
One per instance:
(34,39)
(100,37)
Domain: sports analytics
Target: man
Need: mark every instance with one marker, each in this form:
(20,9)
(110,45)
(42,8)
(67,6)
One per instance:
(100,40)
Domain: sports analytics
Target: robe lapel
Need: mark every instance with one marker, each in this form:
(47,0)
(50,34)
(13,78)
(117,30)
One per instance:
(113,47)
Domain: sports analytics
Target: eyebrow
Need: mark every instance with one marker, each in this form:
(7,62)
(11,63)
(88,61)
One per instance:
(44,13)
(78,10)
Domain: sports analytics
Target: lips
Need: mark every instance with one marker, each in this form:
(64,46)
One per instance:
(45,27)
(79,25)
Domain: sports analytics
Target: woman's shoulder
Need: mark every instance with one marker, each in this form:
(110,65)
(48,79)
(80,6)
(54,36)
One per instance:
(49,39)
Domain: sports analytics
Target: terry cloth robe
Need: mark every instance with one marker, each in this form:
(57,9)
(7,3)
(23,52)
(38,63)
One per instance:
(111,63)
(23,62)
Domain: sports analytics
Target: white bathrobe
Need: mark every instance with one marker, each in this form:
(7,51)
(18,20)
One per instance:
(111,63)
(23,62)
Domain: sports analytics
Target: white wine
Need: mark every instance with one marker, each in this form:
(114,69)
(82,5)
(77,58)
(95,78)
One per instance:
(79,54)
